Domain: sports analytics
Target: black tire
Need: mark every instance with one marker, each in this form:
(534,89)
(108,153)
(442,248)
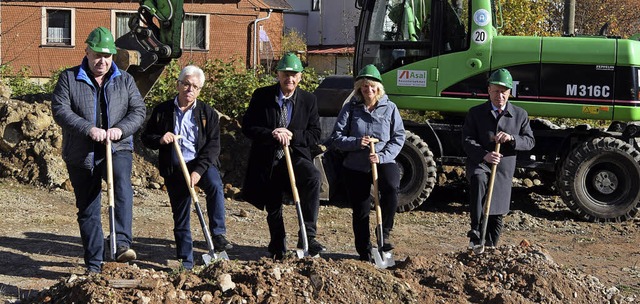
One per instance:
(417,173)
(600,180)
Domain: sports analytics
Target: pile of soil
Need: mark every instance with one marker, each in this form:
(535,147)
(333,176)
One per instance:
(508,274)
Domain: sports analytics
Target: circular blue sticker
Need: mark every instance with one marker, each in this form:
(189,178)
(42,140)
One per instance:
(481,17)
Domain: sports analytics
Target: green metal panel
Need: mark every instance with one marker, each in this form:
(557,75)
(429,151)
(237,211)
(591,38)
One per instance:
(628,52)
(626,113)
(509,50)
(571,50)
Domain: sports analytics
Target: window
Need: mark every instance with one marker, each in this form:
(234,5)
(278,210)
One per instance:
(315,5)
(120,22)
(58,26)
(196,32)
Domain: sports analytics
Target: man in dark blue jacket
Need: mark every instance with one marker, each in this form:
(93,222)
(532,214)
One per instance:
(95,102)
(278,115)
(197,123)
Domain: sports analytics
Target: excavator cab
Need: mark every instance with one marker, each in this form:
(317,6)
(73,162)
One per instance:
(152,42)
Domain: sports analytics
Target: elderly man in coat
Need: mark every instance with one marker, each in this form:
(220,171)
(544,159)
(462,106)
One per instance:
(278,115)
(495,121)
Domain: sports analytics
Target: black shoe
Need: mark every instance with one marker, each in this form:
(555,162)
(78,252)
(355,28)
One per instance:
(315,247)
(125,254)
(220,243)
(365,258)
(278,256)
(387,245)
(474,239)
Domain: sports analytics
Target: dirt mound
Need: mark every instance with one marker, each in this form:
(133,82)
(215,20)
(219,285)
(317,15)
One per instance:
(509,274)
(31,148)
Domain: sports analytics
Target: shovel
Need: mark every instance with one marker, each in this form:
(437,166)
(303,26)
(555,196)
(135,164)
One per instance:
(212,255)
(479,249)
(301,253)
(112,213)
(383,259)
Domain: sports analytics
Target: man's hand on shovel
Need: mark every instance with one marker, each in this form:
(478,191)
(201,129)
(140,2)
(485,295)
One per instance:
(282,135)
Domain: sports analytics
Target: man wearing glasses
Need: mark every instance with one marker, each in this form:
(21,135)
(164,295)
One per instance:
(197,124)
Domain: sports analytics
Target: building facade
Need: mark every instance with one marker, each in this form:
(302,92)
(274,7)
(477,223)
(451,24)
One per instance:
(45,36)
(329,27)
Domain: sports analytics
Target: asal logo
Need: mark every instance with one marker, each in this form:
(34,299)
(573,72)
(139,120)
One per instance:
(411,78)
(406,74)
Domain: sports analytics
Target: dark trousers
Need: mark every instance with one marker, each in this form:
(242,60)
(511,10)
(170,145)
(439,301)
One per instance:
(478,186)
(87,187)
(180,199)
(308,184)
(358,185)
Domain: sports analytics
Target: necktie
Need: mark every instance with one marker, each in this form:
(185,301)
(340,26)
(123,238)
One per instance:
(282,123)
(498,113)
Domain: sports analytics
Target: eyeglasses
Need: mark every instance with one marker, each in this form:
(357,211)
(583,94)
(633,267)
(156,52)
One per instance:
(189,85)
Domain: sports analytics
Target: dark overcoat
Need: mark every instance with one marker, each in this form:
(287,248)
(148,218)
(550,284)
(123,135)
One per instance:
(479,128)
(260,119)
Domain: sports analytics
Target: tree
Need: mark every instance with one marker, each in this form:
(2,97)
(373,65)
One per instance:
(525,18)
(544,17)
(623,17)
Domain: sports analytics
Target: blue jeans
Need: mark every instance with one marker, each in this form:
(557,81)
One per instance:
(87,187)
(180,199)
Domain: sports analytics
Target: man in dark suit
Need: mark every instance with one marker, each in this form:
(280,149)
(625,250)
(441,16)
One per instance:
(495,121)
(283,115)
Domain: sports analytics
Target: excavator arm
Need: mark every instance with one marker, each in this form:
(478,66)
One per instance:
(152,42)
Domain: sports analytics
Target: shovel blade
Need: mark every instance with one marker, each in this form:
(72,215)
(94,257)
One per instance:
(211,256)
(479,249)
(300,253)
(382,259)
(222,255)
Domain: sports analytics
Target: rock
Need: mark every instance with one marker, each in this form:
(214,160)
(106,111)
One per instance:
(527,183)
(225,283)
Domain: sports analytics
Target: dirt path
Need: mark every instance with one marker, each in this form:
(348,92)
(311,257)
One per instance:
(39,239)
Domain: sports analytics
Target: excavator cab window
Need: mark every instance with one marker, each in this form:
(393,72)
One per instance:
(401,32)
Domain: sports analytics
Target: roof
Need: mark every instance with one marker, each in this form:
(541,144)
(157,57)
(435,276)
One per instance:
(278,4)
(332,50)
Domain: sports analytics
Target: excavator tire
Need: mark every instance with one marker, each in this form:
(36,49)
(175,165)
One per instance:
(600,180)
(417,173)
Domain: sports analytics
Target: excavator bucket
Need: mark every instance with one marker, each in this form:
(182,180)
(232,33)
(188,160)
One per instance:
(154,40)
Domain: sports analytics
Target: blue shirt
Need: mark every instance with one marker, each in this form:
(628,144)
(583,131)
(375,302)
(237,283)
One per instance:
(383,122)
(185,125)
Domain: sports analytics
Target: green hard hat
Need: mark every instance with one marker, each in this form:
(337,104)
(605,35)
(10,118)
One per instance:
(100,40)
(290,63)
(370,71)
(501,77)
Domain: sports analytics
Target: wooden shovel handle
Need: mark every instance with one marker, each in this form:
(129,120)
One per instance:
(185,170)
(492,180)
(374,173)
(292,177)
(109,174)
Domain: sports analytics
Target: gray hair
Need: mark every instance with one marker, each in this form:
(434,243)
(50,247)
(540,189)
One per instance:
(192,70)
